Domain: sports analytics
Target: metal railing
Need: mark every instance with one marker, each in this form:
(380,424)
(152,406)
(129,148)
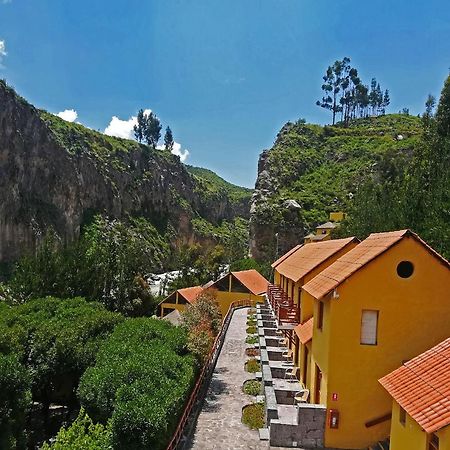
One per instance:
(202,383)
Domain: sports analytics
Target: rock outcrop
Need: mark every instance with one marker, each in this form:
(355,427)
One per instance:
(58,174)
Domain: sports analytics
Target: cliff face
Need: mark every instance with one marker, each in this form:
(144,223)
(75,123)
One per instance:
(58,174)
(313,170)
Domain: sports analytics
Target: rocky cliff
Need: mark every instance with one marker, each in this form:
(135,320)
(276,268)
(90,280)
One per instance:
(59,174)
(312,170)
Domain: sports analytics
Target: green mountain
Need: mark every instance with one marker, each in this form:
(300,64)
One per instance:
(312,170)
(59,175)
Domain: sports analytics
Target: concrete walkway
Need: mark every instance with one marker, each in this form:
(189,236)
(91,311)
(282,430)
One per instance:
(219,425)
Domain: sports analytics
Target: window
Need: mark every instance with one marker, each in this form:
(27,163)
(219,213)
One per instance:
(320,316)
(369,326)
(433,443)
(405,269)
(402,416)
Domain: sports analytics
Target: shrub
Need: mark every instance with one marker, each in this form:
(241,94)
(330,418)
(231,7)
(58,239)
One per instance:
(252,366)
(252,387)
(253,415)
(140,381)
(252,340)
(15,398)
(203,322)
(83,434)
(252,352)
(56,340)
(251,323)
(251,329)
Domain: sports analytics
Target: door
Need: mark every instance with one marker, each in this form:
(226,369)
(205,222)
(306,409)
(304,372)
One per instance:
(305,365)
(317,385)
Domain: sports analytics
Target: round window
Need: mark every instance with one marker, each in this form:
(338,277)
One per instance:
(405,269)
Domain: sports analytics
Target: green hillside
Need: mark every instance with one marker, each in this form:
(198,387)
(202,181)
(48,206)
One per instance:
(321,167)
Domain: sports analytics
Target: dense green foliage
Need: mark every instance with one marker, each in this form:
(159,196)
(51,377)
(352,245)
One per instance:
(140,381)
(252,387)
(411,191)
(82,434)
(251,340)
(321,167)
(253,415)
(107,264)
(15,399)
(211,186)
(56,340)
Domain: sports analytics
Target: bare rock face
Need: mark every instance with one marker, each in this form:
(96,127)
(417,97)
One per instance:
(47,181)
(275,225)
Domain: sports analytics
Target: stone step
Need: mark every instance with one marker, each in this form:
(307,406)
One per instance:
(264,434)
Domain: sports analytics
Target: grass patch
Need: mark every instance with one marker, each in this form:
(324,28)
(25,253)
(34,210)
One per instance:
(251,340)
(251,329)
(252,366)
(253,415)
(252,387)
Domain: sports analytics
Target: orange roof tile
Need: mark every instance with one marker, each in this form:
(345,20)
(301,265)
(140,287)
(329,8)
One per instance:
(348,264)
(304,331)
(422,387)
(286,255)
(190,293)
(252,280)
(299,263)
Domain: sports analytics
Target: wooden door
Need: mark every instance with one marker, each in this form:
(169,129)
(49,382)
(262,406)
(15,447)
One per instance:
(317,385)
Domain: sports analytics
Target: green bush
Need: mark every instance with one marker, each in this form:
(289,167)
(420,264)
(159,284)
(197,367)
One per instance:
(83,434)
(251,322)
(252,387)
(251,340)
(56,340)
(251,329)
(15,398)
(141,380)
(252,366)
(253,415)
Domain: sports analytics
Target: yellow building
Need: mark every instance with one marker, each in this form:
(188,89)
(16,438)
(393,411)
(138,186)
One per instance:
(420,389)
(382,303)
(178,300)
(323,232)
(235,286)
(242,285)
(296,268)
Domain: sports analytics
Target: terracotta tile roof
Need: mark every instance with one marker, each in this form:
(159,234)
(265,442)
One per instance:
(252,280)
(304,331)
(309,256)
(363,253)
(190,293)
(422,387)
(289,253)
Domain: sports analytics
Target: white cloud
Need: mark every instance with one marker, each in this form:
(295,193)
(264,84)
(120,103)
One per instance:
(2,51)
(70,115)
(123,128)
(177,151)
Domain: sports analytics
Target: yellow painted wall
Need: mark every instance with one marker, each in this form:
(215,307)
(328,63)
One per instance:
(444,438)
(337,216)
(411,436)
(414,315)
(225,299)
(171,306)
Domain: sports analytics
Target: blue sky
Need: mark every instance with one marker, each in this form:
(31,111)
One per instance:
(225,75)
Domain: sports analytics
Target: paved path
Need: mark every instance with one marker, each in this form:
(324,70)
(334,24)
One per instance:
(219,424)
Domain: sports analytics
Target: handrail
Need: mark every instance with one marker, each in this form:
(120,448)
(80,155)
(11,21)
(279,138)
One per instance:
(204,374)
(378,420)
